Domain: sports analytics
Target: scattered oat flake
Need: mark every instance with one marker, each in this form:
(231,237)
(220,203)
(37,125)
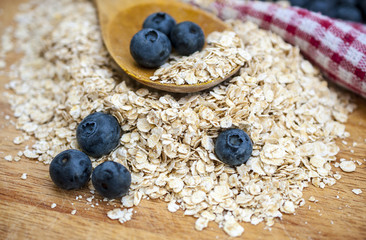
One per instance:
(90,199)
(337,176)
(18,140)
(283,102)
(73,212)
(123,215)
(30,154)
(53,205)
(232,227)
(115,213)
(173,207)
(2,64)
(24,176)
(357,191)
(288,207)
(348,166)
(312,199)
(201,223)
(8,158)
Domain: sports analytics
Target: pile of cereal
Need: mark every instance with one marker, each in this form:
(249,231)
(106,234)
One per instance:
(223,54)
(278,98)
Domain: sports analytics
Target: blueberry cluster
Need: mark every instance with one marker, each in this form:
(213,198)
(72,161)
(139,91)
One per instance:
(151,46)
(349,10)
(97,135)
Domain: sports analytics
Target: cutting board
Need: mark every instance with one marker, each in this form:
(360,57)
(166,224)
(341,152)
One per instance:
(26,213)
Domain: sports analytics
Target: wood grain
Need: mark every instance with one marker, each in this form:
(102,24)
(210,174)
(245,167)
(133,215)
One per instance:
(25,211)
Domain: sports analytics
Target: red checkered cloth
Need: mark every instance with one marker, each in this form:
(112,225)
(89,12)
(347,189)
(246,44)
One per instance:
(337,47)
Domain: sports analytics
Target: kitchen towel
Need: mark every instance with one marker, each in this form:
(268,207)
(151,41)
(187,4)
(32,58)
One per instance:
(337,47)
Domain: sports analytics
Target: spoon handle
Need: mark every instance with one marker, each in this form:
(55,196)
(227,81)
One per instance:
(107,9)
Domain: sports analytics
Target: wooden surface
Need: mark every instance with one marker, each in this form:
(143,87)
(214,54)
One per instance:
(26,213)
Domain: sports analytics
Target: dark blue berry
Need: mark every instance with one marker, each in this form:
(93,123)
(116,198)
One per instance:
(111,179)
(187,38)
(325,7)
(160,21)
(298,3)
(233,147)
(348,2)
(362,4)
(362,7)
(70,169)
(98,134)
(150,48)
(349,13)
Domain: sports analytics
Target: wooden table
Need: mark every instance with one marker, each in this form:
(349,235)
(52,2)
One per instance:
(26,213)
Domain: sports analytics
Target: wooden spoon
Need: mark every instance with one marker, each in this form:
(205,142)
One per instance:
(121,19)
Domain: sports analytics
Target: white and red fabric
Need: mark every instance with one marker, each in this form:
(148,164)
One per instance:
(337,47)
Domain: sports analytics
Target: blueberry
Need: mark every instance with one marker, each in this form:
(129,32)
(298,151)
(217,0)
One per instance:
(298,3)
(362,7)
(111,179)
(326,7)
(70,169)
(150,48)
(233,147)
(349,13)
(348,2)
(160,21)
(98,134)
(187,38)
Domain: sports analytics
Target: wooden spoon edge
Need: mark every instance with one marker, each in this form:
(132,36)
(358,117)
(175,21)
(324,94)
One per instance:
(139,73)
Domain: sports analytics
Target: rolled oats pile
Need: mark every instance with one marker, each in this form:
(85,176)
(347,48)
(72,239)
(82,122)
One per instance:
(278,98)
(223,54)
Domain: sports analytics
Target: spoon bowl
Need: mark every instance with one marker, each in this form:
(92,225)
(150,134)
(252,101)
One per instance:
(121,19)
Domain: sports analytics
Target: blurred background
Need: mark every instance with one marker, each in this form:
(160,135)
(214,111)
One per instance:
(349,10)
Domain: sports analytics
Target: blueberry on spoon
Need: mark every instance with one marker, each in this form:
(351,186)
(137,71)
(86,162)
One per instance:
(187,38)
(160,21)
(150,48)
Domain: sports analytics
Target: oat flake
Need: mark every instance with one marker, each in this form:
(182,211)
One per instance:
(348,166)
(223,53)
(292,116)
(357,191)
